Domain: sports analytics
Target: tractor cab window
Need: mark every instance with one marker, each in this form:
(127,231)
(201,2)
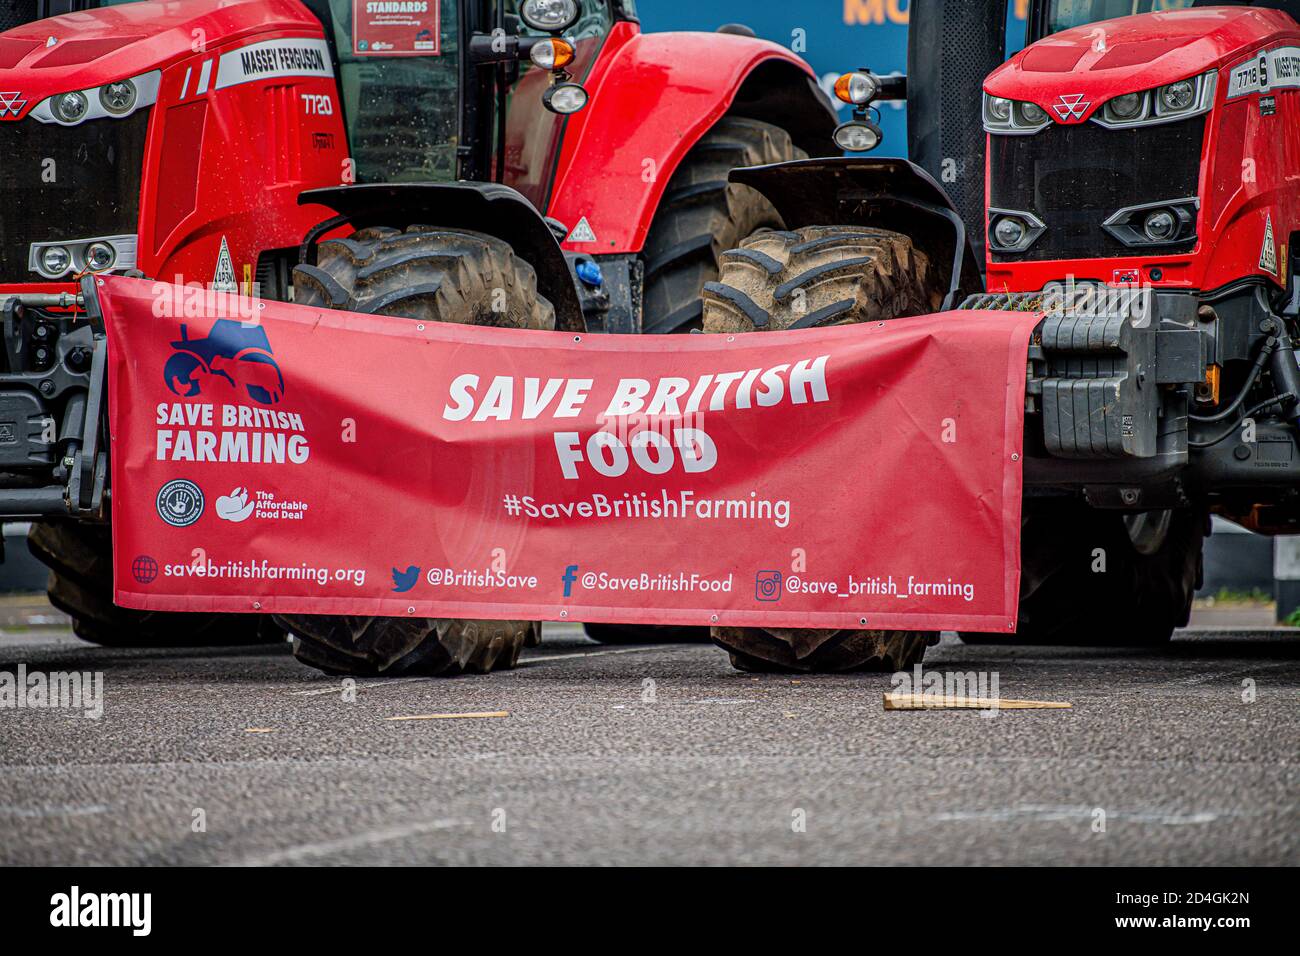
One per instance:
(399,77)
(1063,14)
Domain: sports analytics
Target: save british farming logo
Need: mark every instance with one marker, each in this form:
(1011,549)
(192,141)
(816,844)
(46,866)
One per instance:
(236,352)
(234,362)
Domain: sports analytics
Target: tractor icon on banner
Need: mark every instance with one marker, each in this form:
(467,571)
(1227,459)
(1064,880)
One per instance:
(238,353)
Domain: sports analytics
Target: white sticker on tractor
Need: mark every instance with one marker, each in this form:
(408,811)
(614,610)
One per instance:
(1266,71)
(582,232)
(224,278)
(1268,251)
(274,58)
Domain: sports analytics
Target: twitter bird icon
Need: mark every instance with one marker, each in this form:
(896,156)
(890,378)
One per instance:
(403,581)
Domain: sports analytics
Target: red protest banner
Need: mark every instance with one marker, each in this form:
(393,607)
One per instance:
(286,459)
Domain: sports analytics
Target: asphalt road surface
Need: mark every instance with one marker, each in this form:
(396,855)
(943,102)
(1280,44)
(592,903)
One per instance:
(660,755)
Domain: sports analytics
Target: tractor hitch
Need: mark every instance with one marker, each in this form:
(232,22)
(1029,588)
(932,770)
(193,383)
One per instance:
(53,406)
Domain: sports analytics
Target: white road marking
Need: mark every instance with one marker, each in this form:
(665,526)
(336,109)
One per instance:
(525,662)
(564,657)
(1063,813)
(1238,672)
(54,811)
(371,685)
(308,851)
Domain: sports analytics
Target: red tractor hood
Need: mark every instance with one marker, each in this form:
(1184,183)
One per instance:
(78,51)
(1129,54)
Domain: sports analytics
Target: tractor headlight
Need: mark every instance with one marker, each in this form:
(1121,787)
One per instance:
(55,261)
(1031,114)
(1126,107)
(71,107)
(1009,231)
(1013,230)
(549,16)
(1155,223)
(857,88)
(554,54)
(1002,115)
(100,256)
(859,136)
(565,98)
(119,97)
(1177,97)
(114,100)
(1164,104)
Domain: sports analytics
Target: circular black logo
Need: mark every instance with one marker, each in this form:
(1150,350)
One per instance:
(180,503)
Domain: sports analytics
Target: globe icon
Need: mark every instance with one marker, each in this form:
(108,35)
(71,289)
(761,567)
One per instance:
(145,569)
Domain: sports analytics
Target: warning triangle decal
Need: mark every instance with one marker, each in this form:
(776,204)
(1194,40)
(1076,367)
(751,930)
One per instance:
(224,279)
(1268,251)
(582,232)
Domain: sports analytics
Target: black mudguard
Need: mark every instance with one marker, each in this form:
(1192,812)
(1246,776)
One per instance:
(484,207)
(885,193)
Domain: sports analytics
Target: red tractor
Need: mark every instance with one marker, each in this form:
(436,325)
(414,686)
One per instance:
(1133,173)
(403,159)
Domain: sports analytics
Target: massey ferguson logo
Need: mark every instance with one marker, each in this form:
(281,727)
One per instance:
(1072,106)
(11,104)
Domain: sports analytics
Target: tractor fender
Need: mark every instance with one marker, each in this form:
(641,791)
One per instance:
(652,97)
(490,208)
(884,193)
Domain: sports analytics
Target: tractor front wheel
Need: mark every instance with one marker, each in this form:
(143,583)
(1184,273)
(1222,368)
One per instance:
(80,557)
(1103,578)
(430,275)
(794,279)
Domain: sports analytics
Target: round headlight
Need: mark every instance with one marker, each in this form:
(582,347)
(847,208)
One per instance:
(565,98)
(55,261)
(1178,96)
(550,16)
(999,108)
(118,98)
(1031,114)
(551,54)
(856,88)
(100,256)
(857,137)
(1127,106)
(71,107)
(1009,231)
(1160,226)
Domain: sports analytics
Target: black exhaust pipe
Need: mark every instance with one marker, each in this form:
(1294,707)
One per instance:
(951,46)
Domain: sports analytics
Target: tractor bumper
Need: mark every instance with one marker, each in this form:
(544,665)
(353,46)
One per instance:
(52,387)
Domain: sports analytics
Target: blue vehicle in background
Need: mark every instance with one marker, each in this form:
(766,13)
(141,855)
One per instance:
(832,35)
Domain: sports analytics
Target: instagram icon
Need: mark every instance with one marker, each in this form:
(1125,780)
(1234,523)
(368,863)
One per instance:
(767,586)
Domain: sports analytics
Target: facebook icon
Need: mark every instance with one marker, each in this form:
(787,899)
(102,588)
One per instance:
(570,575)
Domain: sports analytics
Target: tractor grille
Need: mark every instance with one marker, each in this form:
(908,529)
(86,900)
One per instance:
(67,182)
(1074,177)
(14,13)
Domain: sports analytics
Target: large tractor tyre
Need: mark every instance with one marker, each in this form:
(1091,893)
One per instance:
(701,216)
(430,275)
(1102,578)
(80,557)
(819,275)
